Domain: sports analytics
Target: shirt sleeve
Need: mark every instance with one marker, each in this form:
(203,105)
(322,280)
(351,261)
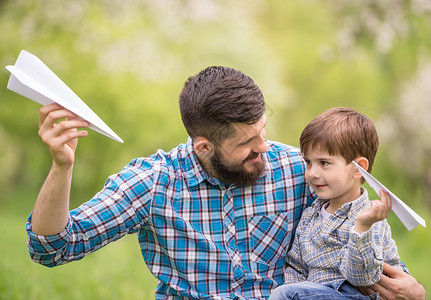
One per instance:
(120,208)
(362,264)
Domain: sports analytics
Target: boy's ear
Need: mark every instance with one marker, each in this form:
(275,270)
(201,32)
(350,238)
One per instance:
(202,146)
(363,162)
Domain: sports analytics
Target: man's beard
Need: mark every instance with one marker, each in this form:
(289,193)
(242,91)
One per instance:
(236,174)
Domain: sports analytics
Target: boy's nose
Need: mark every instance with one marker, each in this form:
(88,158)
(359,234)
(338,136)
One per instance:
(312,172)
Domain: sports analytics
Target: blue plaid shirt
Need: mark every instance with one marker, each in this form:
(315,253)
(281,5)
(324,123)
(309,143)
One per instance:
(200,237)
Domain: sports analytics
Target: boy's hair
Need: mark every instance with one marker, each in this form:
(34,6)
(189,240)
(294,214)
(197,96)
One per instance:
(342,131)
(216,97)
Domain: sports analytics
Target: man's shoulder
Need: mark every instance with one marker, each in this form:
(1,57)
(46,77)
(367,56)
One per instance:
(284,154)
(161,158)
(282,149)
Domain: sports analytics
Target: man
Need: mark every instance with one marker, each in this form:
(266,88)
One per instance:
(214,216)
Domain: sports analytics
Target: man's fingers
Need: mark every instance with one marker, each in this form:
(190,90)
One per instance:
(45,110)
(365,290)
(66,125)
(52,113)
(53,130)
(377,288)
(58,142)
(382,287)
(56,135)
(66,137)
(391,271)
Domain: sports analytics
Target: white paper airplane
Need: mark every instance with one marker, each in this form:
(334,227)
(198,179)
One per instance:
(409,218)
(31,78)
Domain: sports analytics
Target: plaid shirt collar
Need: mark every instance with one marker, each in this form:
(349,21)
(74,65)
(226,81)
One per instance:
(349,209)
(193,171)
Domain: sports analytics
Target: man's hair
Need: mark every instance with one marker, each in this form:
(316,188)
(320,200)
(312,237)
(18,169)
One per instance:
(216,97)
(342,131)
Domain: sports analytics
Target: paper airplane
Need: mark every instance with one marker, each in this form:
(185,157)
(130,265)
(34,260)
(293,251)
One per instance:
(31,78)
(409,218)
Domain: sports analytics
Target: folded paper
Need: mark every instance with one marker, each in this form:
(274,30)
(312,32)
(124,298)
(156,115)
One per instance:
(31,78)
(408,217)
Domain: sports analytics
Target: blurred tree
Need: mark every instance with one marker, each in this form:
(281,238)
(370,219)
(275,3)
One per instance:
(396,33)
(129,60)
(351,53)
(407,127)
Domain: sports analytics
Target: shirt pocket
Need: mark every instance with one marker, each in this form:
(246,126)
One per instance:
(270,236)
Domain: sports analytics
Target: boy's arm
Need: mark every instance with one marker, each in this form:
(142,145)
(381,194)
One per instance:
(369,246)
(362,262)
(394,283)
(296,270)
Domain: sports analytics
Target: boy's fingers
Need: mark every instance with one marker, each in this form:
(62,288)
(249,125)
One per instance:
(384,194)
(385,198)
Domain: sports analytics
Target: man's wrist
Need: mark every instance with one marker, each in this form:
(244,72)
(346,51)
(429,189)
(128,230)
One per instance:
(61,167)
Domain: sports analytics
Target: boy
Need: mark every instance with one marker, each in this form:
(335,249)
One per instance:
(343,239)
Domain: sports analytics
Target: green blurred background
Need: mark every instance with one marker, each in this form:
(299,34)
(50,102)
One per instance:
(128,61)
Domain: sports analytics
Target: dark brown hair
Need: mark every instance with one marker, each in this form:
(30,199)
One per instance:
(342,131)
(216,97)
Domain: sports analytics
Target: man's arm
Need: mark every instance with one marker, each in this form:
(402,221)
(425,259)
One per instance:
(58,129)
(396,284)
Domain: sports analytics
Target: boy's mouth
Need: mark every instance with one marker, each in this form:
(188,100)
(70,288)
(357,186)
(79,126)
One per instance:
(319,186)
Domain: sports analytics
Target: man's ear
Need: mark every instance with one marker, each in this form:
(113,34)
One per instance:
(202,146)
(363,162)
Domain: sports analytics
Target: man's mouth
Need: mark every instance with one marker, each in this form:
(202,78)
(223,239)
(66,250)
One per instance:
(252,157)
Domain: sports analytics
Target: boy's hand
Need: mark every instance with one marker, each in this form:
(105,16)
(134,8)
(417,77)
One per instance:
(378,211)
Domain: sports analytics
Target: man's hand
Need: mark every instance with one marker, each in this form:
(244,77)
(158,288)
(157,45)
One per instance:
(60,136)
(58,129)
(396,284)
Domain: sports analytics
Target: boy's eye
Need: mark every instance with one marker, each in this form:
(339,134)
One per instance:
(324,163)
(307,162)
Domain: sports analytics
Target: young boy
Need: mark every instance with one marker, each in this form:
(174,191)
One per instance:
(343,239)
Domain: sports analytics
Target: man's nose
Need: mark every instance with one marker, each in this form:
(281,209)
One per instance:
(261,147)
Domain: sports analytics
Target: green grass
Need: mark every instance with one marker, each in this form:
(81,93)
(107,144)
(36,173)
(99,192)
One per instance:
(117,271)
